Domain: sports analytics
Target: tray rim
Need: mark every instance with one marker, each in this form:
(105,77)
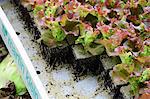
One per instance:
(17,51)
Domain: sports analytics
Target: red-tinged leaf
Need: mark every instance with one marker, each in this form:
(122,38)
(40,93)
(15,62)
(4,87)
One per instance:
(34,1)
(39,1)
(118,37)
(121,71)
(106,31)
(63,19)
(71,27)
(135,43)
(101,11)
(27,2)
(117,4)
(144,59)
(109,46)
(41,14)
(71,6)
(112,3)
(120,49)
(147,83)
(96,32)
(47,38)
(145,96)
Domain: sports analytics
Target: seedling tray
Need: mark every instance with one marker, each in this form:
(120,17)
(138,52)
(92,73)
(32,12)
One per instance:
(44,81)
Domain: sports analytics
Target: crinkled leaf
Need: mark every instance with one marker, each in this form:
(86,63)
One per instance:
(121,71)
(136,10)
(145,75)
(47,38)
(126,58)
(144,59)
(70,25)
(37,9)
(80,40)
(106,31)
(146,51)
(50,11)
(134,89)
(91,19)
(86,39)
(108,45)
(83,13)
(9,72)
(143,2)
(96,50)
(58,32)
(89,38)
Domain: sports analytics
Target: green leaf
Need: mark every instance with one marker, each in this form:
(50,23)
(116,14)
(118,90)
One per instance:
(134,83)
(126,58)
(83,12)
(37,9)
(58,33)
(79,40)
(107,32)
(50,11)
(89,38)
(108,45)
(120,71)
(145,75)
(122,25)
(146,51)
(47,37)
(86,36)
(9,72)
(125,1)
(102,1)
(96,50)
(143,2)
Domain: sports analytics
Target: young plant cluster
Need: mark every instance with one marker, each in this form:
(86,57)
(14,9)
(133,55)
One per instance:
(120,26)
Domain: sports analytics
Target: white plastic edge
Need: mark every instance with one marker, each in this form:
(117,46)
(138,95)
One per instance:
(17,51)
